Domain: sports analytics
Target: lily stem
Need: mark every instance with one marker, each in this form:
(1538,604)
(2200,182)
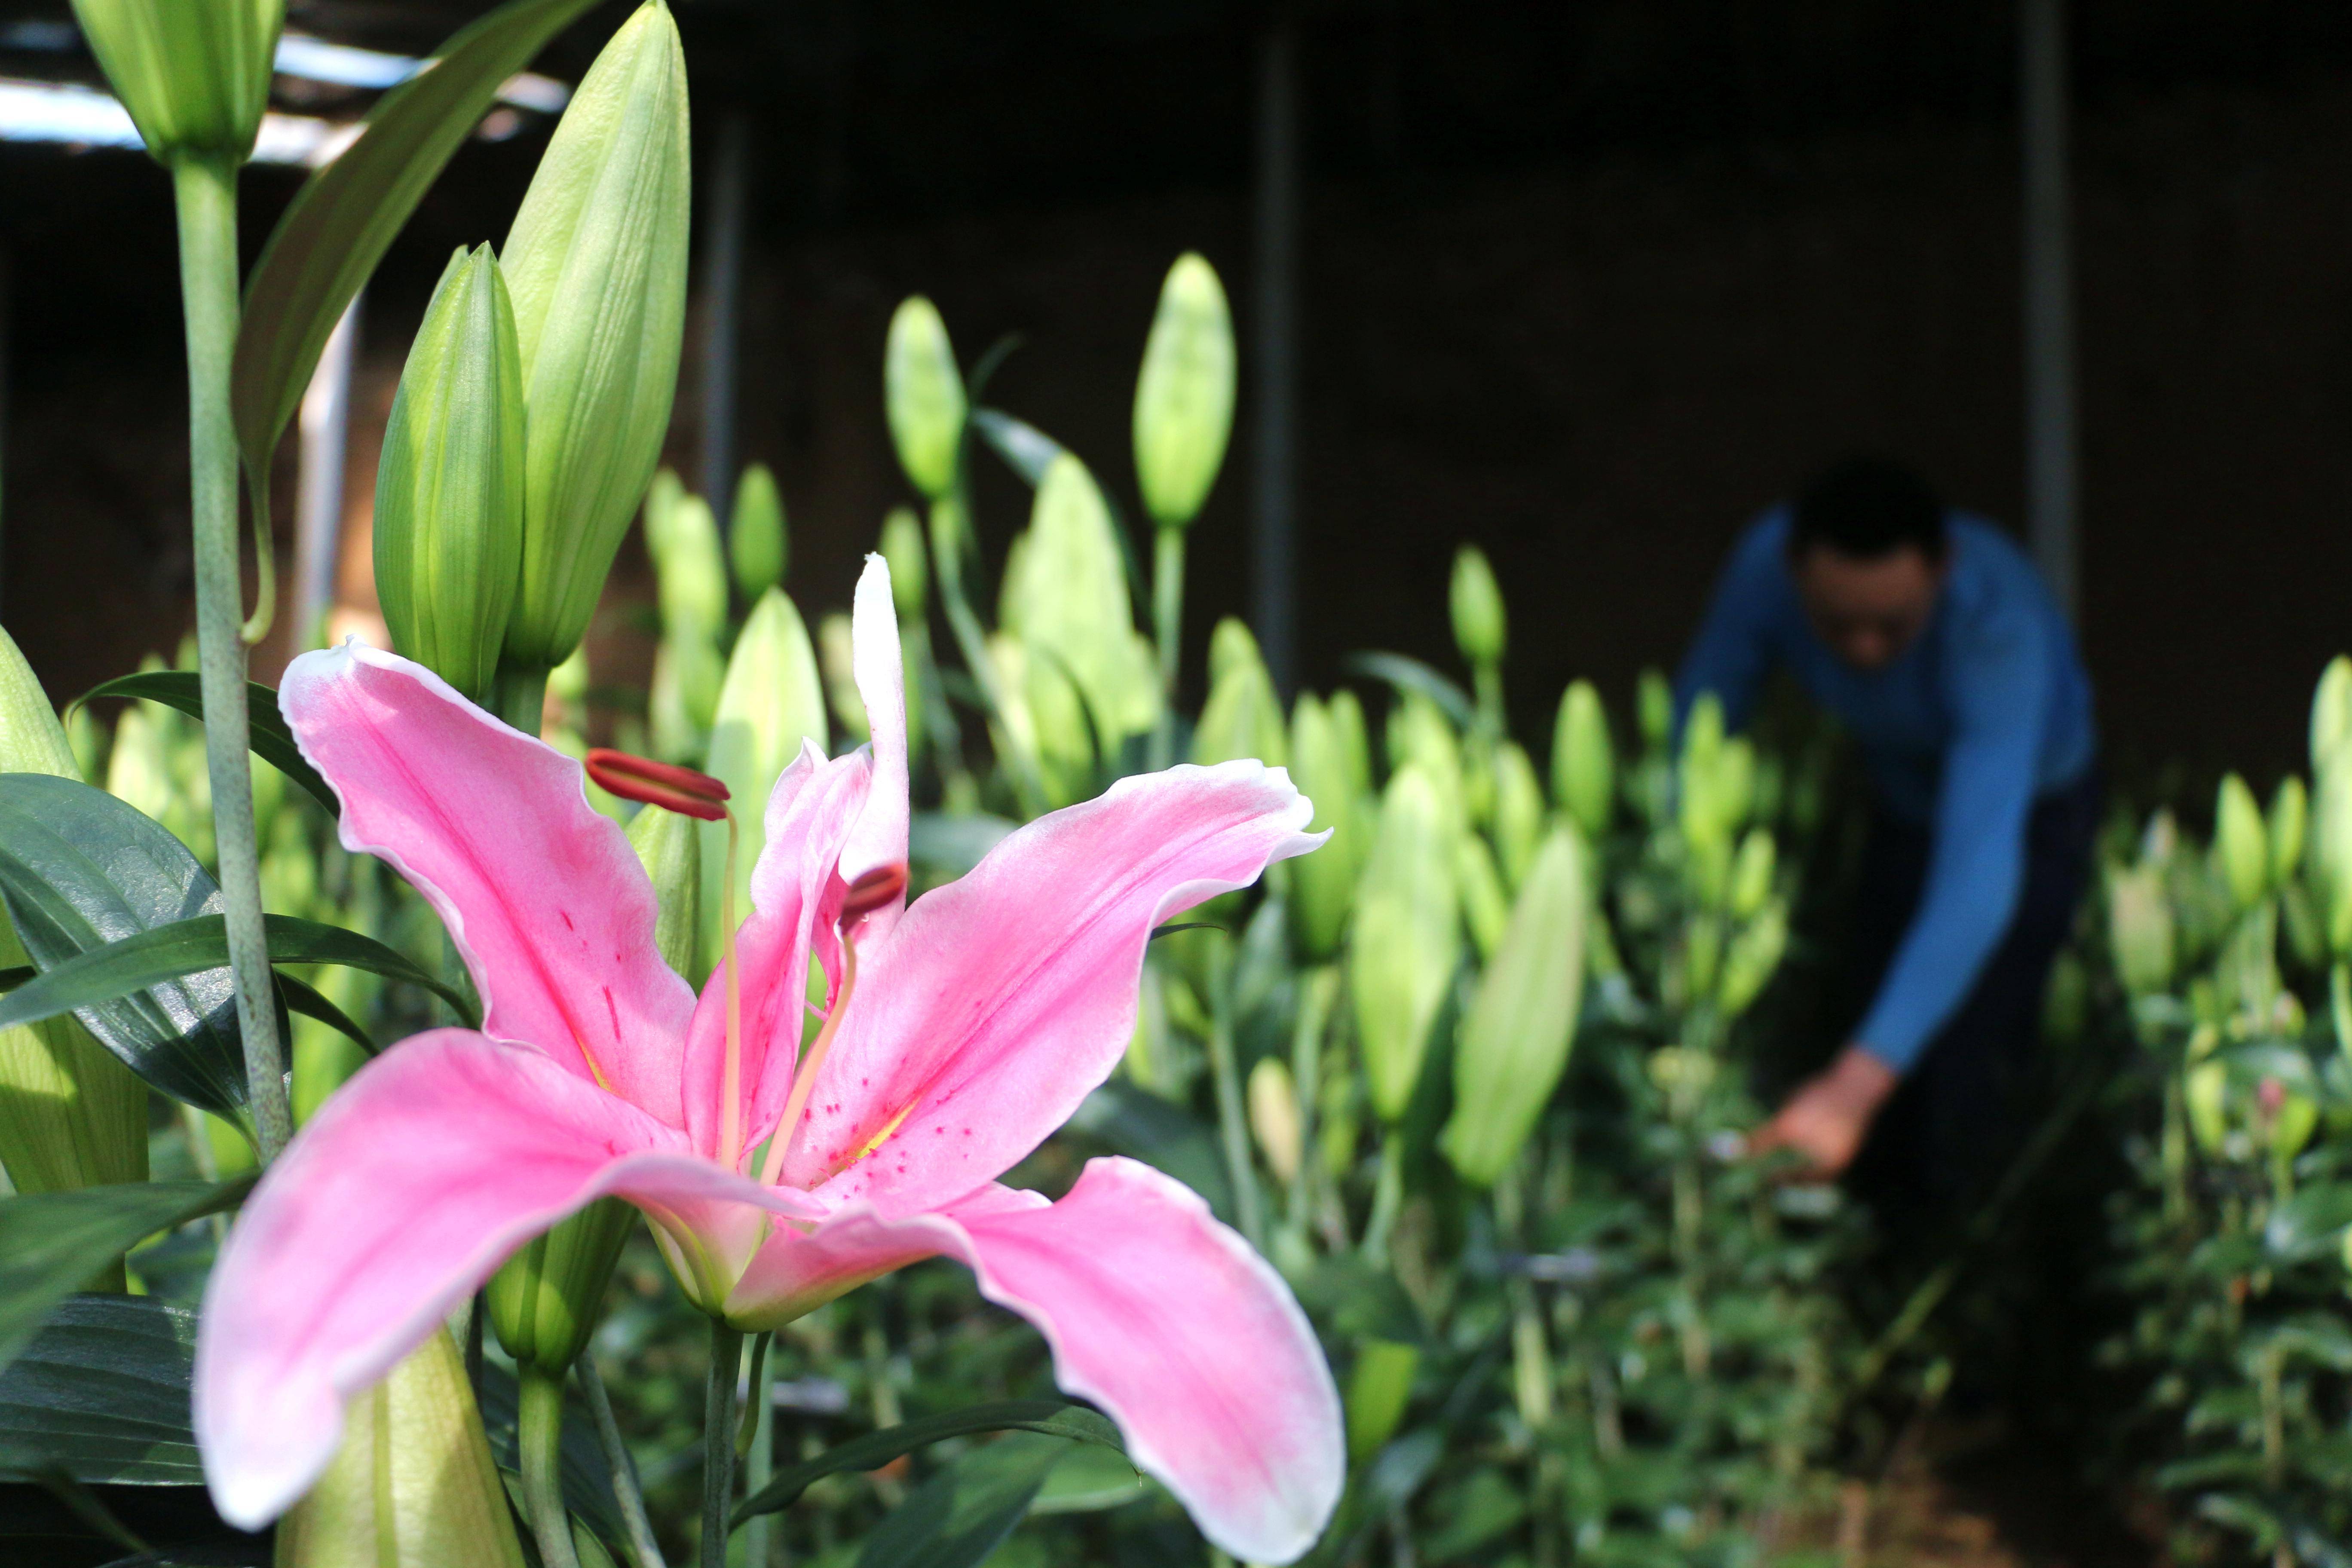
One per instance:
(719,1442)
(206,192)
(1167,624)
(539,1437)
(1231,1118)
(519,696)
(625,1487)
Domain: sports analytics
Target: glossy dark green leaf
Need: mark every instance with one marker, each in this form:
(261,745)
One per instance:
(185,947)
(955,1519)
(1411,675)
(343,219)
(101,1394)
(51,1243)
(270,739)
(1026,450)
(1054,1419)
(80,870)
(302,997)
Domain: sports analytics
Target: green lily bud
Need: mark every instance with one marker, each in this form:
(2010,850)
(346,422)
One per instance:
(1243,717)
(1486,907)
(1751,873)
(1752,959)
(71,1115)
(691,572)
(2240,843)
(1420,736)
(1654,705)
(836,658)
(923,396)
(1354,742)
(1583,760)
(2290,816)
(1516,1034)
(670,849)
(1064,595)
(1378,1387)
(545,1300)
(1184,393)
(412,1484)
(1702,956)
(1475,600)
(449,484)
(756,541)
(684,700)
(1407,937)
(2140,929)
(2330,852)
(2296,1119)
(2331,711)
(1323,885)
(195,74)
(661,502)
(910,564)
(1274,1118)
(772,699)
(1043,716)
(1518,813)
(2206,1091)
(596,266)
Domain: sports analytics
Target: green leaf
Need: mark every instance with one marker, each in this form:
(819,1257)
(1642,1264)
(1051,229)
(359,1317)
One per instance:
(101,1394)
(2311,1223)
(964,1511)
(1411,675)
(1128,1119)
(80,870)
(343,219)
(1054,1419)
(302,997)
(1026,450)
(271,739)
(191,946)
(51,1242)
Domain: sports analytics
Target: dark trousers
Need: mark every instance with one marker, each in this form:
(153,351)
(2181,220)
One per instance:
(1951,1125)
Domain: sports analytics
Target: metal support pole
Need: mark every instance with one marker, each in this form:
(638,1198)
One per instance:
(1274,362)
(324,423)
(2050,482)
(722,300)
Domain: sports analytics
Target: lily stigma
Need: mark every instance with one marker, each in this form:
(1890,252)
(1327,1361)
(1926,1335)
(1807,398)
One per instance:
(956,1033)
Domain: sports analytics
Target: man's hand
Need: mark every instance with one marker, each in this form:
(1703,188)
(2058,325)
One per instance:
(1825,1120)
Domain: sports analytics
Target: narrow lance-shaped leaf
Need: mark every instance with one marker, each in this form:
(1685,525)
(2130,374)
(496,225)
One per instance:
(48,1240)
(100,1394)
(1046,1418)
(271,741)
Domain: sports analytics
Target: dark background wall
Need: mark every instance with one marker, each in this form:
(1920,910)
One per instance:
(1587,285)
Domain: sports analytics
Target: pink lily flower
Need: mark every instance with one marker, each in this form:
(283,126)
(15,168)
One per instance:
(959,1032)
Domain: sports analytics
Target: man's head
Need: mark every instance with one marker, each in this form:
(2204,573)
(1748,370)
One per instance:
(1867,550)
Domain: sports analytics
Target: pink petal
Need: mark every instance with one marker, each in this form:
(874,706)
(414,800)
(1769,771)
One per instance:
(880,837)
(1002,999)
(542,895)
(795,898)
(1155,1311)
(402,1195)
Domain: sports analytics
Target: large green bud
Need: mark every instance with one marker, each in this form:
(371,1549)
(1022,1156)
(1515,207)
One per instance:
(1583,760)
(1064,595)
(1323,885)
(690,573)
(1486,907)
(1355,741)
(1518,812)
(1243,717)
(1475,600)
(2289,820)
(1514,1037)
(1653,707)
(449,485)
(1751,873)
(2330,854)
(757,546)
(412,1484)
(2240,845)
(597,265)
(2140,930)
(195,74)
(71,1115)
(1380,1386)
(2331,712)
(1752,959)
(910,565)
(923,396)
(1184,395)
(773,699)
(1407,937)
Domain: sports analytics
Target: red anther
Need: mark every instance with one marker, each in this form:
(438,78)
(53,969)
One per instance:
(672,788)
(872,890)
(2271,1095)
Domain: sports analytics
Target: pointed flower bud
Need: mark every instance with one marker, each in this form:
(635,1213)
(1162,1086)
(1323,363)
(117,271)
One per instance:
(2290,818)
(1184,395)
(544,1301)
(1751,873)
(1583,760)
(596,266)
(2331,711)
(909,561)
(923,396)
(756,542)
(1380,1386)
(1323,885)
(1518,813)
(195,74)
(1274,1118)
(691,572)
(672,788)
(1521,1021)
(1653,703)
(669,847)
(1243,717)
(1408,938)
(449,484)
(772,699)
(1477,601)
(1486,909)
(1066,597)
(2240,844)
(1752,959)
(2140,929)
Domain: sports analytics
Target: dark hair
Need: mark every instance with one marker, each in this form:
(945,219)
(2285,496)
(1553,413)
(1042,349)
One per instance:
(1868,508)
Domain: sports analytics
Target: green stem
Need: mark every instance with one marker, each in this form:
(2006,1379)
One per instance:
(626,1488)
(1317,988)
(519,696)
(718,1441)
(205,191)
(538,1439)
(1388,1196)
(1233,1123)
(760,1464)
(1167,624)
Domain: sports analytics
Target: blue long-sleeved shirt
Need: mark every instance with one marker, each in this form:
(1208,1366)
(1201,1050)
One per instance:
(1987,709)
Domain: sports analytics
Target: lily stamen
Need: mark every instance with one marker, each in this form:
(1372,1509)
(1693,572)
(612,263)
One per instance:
(869,892)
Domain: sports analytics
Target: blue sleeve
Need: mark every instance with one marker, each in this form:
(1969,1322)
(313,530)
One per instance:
(1976,865)
(1733,647)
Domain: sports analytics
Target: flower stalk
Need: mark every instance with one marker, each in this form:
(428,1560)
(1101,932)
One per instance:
(1168,627)
(205,189)
(539,1438)
(718,1441)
